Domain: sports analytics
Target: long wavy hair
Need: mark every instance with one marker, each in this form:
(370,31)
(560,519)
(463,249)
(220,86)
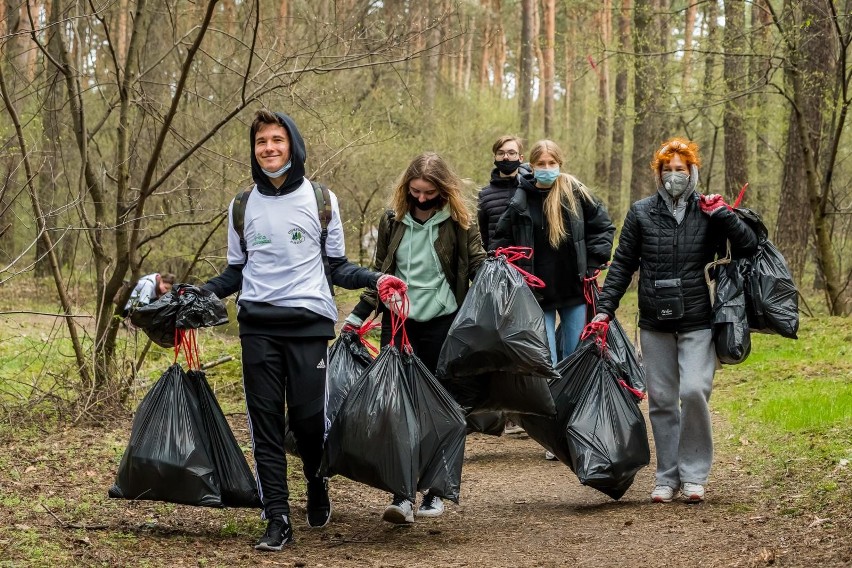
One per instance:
(431,167)
(562,192)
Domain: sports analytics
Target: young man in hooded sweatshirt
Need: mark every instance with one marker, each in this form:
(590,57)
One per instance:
(286,315)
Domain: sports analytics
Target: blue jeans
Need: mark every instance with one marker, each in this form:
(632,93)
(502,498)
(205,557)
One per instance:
(573,320)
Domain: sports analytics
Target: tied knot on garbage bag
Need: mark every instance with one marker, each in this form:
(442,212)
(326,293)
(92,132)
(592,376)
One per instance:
(184,307)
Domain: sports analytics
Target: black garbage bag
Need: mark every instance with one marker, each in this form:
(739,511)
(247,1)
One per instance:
(488,422)
(184,307)
(375,436)
(168,457)
(607,434)
(499,327)
(347,359)
(237,484)
(442,432)
(731,335)
(621,351)
(772,300)
(504,392)
(598,423)
(158,318)
(549,431)
(198,307)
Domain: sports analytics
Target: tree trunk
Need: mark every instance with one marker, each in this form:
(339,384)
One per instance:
(500,49)
(809,66)
(709,133)
(526,66)
(487,45)
(736,139)
(688,29)
(549,62)
(760,67)
(645,130)
(602,123)
(616,161)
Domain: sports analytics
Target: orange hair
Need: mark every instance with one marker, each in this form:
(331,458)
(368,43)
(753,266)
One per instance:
(687,150)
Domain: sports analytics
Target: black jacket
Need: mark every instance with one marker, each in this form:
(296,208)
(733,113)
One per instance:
(652,242)
(265,319)
(589,245)
(493,200)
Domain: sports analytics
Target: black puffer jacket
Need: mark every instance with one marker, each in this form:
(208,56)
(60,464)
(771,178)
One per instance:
(591,233)
(652,242)
(493,200)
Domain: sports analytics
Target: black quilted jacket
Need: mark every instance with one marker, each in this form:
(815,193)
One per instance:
(493,200)
(652,242)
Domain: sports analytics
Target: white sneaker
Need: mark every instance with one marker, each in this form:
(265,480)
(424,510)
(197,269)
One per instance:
(512,428)
(399,512)
(549,456)
(662,494)
(431,506)
(692,492)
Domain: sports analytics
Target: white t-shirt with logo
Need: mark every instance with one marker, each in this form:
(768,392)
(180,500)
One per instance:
(284,266)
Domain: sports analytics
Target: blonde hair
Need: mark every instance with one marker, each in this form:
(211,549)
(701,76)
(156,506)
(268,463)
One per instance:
(561,192)
(431,167)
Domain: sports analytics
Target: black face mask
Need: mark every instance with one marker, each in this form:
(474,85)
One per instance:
(425,205)
(507,167)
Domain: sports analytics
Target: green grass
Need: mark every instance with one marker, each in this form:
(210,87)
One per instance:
(790,405)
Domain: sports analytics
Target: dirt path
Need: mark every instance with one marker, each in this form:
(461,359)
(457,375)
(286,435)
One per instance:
(516,510)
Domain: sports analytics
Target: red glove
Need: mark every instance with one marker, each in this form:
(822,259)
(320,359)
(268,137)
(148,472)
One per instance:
(391,290)
(711,204)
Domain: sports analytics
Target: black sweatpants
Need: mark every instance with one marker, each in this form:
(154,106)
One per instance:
(275,370)
(426,337)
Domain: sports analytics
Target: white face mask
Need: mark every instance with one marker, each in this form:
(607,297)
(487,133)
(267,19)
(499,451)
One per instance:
(278,173)
(675,183)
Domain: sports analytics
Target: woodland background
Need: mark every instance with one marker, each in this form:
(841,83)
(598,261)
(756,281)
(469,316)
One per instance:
(123,129)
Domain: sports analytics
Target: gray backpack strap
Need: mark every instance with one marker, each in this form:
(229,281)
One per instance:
(323,198)
(238,216)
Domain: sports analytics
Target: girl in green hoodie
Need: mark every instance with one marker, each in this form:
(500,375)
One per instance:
(429,239)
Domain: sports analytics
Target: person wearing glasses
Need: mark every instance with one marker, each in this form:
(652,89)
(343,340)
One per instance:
(669,238)
(570,233)
(494,198)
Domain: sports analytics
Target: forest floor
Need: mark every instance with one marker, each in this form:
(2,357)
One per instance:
(516,509)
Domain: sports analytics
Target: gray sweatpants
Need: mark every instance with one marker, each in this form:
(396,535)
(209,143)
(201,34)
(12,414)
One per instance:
(679,370)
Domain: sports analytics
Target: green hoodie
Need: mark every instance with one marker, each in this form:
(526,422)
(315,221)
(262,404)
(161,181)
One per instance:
(417,264)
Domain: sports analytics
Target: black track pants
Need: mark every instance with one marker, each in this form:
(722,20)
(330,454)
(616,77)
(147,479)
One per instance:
(275,370)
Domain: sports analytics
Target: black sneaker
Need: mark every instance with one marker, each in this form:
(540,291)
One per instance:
(319,505)
(278,533)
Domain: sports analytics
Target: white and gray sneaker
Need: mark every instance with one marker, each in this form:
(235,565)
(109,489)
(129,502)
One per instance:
(431,506)
(399,512)
(662,494)
(692,492)
(549,456)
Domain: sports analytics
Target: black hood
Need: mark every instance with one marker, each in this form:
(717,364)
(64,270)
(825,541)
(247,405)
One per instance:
(296,173)
(527,182)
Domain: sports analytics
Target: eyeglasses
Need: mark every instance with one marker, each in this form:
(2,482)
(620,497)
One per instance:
(499,154)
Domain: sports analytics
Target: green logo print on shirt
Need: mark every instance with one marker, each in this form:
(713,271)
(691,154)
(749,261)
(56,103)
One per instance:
(296,236)
(261,240)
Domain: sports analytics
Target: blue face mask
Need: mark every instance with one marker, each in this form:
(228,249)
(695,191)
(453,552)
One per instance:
(546,176)
(280,172)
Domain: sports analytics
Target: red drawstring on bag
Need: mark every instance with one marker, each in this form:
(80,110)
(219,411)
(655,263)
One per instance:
(366,328)
(635,392)
(186,340)
(739,198)
(511,254)
(598,330)
(588,293)
(398,317)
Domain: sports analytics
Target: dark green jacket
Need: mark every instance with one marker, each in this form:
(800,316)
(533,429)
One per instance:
(459,251)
